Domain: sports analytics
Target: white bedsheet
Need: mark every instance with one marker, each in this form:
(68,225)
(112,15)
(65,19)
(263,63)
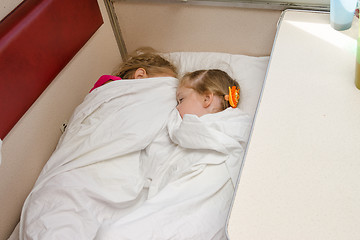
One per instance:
(128,167)
(94,172)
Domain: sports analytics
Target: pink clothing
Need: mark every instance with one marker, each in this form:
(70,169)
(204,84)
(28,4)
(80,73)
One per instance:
(103,79)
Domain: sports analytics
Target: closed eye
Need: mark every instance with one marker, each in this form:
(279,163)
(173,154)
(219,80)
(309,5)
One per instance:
(180,100)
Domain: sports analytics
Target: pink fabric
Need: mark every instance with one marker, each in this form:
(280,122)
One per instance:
(103,79)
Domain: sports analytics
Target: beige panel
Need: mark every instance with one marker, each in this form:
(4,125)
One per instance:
(300,179)
(176,27)
(7,6)
(30,143)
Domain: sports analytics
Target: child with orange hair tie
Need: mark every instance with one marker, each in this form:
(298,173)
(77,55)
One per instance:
(206,91)
(192,165)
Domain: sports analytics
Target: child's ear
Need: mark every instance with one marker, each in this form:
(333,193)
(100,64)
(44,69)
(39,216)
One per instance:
(208,97)
(140,73)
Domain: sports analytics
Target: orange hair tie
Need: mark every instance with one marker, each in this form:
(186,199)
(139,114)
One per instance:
(233,97)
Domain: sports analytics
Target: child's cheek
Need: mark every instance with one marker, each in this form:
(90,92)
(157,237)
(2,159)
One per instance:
(179,108)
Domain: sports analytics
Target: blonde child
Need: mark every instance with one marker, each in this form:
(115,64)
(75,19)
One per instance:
(206,91)
(146,64)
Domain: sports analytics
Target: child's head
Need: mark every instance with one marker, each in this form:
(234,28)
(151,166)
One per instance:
(146,65)
(204,91)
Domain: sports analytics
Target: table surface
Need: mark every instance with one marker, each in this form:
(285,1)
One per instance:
(301,175)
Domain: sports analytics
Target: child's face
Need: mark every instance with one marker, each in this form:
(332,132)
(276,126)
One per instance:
(190,102)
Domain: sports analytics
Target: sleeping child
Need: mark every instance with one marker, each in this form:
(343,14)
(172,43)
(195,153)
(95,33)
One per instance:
(206,91)
(94,173)
(191,167)
(146,64)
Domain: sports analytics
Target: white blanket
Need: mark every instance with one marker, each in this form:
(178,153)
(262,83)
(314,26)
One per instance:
(190,195)
(128,167)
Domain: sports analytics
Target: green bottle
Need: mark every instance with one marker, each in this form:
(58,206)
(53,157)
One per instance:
(357,70)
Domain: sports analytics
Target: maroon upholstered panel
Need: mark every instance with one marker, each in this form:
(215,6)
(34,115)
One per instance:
(37,40)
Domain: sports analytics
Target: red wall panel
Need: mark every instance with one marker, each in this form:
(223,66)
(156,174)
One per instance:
(37,40)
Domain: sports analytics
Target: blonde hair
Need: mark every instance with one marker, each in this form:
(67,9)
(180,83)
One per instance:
(148,59)
(214,80)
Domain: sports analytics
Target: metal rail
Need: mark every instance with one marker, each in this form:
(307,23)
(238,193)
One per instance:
(257,4)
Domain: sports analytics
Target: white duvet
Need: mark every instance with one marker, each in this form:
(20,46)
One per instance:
(128,167)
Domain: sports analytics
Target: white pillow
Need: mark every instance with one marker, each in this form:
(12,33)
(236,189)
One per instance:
(247,70)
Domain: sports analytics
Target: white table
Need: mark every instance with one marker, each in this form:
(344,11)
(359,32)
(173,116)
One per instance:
(301,177)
